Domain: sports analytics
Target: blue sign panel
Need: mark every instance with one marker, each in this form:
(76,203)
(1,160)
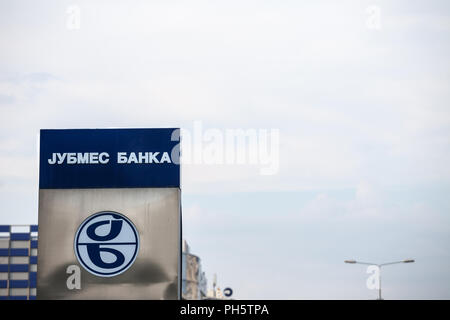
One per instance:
(109,158)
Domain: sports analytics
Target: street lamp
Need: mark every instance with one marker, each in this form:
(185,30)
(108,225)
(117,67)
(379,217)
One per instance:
(379,268)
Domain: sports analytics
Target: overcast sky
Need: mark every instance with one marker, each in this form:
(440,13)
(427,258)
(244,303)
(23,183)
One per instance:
(359,91)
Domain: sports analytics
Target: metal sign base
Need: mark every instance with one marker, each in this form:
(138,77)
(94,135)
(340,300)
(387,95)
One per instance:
(155,273)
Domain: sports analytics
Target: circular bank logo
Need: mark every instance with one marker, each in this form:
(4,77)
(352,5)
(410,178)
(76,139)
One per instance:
(106,244)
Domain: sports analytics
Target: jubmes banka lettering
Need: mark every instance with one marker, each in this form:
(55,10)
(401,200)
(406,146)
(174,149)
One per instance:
(104,157)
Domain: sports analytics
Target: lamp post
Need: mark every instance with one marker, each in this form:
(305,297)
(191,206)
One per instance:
(379,268)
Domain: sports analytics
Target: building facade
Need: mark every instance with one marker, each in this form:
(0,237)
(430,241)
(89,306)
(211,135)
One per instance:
(18,262)
(194,283)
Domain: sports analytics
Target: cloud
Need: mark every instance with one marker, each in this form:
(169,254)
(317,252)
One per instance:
(310,234)
(363,119)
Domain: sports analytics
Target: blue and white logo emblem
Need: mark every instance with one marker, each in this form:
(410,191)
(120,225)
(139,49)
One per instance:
(106,244)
